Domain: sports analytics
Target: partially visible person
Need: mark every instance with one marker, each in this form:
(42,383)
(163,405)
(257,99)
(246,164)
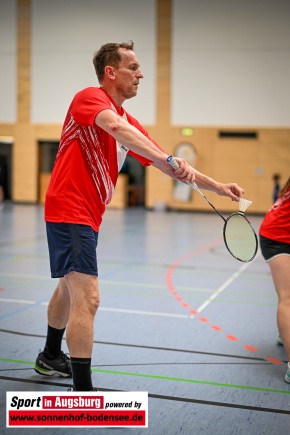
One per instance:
(275,246)
(276,187)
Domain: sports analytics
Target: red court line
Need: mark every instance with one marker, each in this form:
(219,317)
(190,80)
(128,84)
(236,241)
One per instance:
(273,360)
(251,348)
(203,319)
(191,310)
(231,337)
(216,328)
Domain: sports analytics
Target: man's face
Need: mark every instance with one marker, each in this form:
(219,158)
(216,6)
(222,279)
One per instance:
(128,74)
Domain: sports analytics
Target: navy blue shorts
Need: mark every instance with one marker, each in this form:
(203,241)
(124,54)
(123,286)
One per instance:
(72,247)
(271,248)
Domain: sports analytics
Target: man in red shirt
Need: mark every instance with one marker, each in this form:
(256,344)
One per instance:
(97,135)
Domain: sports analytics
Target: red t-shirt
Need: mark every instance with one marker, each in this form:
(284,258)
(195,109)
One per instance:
(87,163)
(276,223)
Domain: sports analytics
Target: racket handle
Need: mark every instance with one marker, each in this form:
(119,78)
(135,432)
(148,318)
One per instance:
(173,162)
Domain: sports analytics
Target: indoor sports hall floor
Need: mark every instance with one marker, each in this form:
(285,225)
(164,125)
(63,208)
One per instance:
(218,371)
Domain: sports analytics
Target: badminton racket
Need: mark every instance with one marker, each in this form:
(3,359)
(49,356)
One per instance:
(239,236)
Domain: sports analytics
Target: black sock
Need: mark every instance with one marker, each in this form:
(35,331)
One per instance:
(53,342)
(82,377)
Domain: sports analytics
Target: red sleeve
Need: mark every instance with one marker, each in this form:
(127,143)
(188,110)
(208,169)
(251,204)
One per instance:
(143,160)
(87,104)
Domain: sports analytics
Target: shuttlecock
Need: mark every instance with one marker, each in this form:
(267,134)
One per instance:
(244,204)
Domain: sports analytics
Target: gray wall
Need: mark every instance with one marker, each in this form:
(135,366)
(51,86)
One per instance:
(230,59)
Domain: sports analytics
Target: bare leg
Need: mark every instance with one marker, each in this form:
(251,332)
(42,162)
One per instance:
(59,306)
(280,269)
(84,297)
(52,360)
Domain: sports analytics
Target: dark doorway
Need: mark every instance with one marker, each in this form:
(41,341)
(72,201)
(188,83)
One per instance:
(6,169)
(136,181)
(47,151)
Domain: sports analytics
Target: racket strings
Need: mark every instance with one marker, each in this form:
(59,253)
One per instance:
(240,237)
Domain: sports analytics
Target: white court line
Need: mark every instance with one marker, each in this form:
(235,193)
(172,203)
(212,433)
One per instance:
(18,301)
(145,313)
(232,278)
(113,310)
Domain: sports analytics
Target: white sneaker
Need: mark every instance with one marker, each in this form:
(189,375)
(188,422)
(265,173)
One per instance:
(287,376)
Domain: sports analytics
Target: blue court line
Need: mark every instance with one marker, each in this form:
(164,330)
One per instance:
(12,313)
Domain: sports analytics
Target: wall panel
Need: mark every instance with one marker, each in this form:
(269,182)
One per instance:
(231,63)
(65,35)
(8,50)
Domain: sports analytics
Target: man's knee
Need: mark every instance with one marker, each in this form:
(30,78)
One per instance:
(84,292)
(93,303)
